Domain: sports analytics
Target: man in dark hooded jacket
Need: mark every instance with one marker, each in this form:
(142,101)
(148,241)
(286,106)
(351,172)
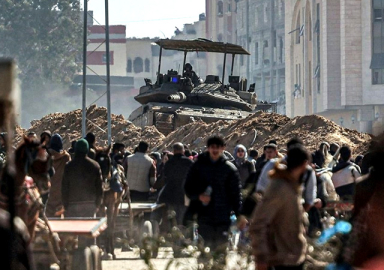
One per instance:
(213,185)
(82,184)
(174,175)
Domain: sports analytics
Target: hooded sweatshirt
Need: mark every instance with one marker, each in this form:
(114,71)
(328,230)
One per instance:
(277,227)
(245,167)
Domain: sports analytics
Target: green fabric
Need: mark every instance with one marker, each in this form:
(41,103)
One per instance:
(81,147)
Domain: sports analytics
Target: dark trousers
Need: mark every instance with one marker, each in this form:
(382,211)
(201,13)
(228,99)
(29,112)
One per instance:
(215,237)
(296,267)
(314,217)
(138,196)
(172,214)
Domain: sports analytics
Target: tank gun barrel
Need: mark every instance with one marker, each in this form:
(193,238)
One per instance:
(179,97)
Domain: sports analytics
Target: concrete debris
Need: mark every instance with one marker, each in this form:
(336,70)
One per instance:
(254,131)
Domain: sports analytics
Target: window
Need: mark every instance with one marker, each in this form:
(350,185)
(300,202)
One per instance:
(281,52)
(220,8)
(138,65)
(147,65)
(274,38)
(378,76)
(310,78)
(377,64)
(265,12)
(377,15)
(310,28)
(378,26)
(257,53)
(298,29)
(104,59)
(129,65)
(229,7)
(220,37)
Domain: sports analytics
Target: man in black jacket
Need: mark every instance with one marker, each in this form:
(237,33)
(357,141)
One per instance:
(82,184)
(213,185)
(174,175)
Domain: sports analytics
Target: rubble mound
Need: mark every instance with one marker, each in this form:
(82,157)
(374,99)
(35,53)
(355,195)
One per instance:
(68,125)
(314,129)
(251,131)
(256,130)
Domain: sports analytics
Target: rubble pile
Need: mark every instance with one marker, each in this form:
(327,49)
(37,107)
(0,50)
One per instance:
(314,129)
(256,130)
(68,125)
(250,131)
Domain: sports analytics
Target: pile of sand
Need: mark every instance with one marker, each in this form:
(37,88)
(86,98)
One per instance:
(256,130)
(68,125)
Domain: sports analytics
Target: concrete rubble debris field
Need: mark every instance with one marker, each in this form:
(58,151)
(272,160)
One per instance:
(254,131)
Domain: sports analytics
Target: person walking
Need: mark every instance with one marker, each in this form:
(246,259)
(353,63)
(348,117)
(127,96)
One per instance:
(60,157)
(91,139)
(245,167)
(81,188)
(141,173)
(274,245)
(345,174)
(45,139)
(253,156)
(213,186)
(173,178)
(309,182)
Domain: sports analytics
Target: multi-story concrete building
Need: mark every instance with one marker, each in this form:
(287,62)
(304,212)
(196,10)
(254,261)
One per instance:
(220,26)
(335,61)
(260,29)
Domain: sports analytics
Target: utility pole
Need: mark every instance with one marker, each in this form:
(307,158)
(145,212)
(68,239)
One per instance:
(108,72)
(85,41)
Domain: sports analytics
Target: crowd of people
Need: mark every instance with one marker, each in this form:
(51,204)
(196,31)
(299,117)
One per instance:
(277,195)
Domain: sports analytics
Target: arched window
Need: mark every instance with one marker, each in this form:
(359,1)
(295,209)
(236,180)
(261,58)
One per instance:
(138,65)
(129,66)
(220,8)
(147,65)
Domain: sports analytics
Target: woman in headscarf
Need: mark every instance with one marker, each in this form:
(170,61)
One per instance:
(244,166)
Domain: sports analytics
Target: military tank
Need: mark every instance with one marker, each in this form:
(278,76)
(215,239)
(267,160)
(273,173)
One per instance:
(177,99)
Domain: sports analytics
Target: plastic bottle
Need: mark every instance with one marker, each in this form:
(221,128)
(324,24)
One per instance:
(195,233)
(207,192)
(234,232)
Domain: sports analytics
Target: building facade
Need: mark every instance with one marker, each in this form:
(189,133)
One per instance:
(260,29)
(334,61)
(96,51)
(142,55)
(221,19)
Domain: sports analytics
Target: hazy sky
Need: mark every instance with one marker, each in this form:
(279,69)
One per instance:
(148,18)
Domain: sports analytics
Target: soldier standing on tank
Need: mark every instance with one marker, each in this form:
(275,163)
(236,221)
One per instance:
(190,73)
